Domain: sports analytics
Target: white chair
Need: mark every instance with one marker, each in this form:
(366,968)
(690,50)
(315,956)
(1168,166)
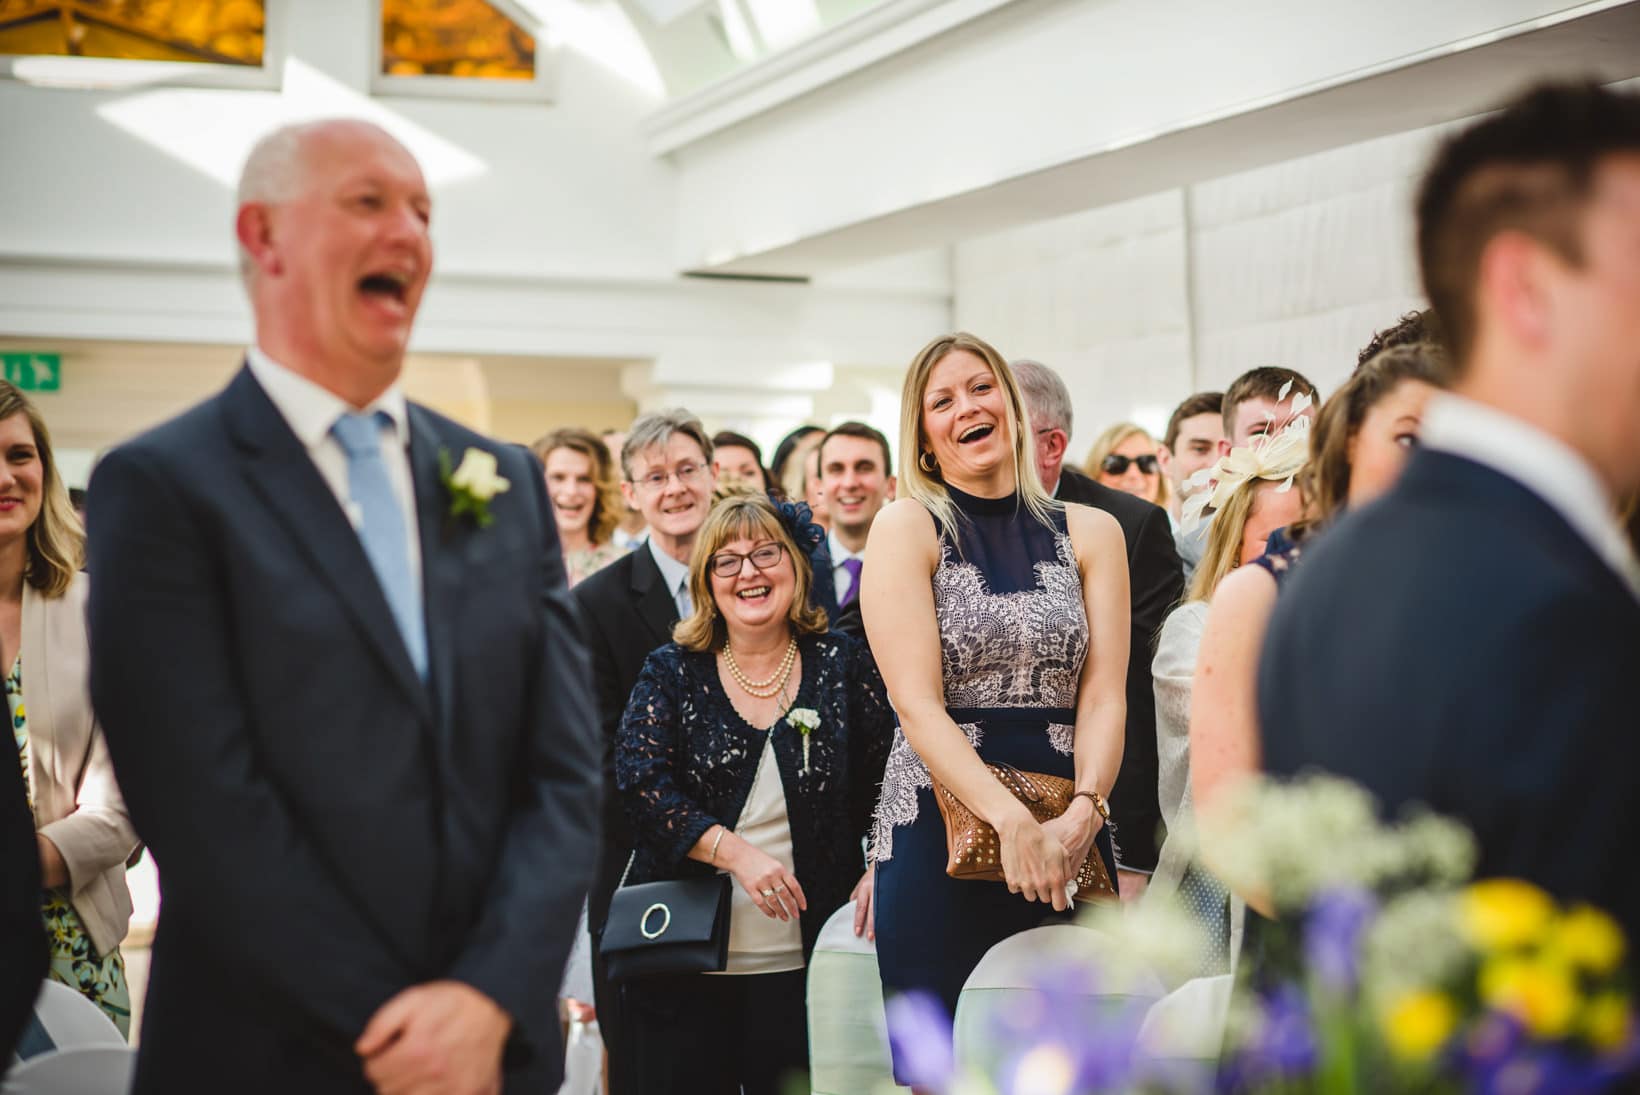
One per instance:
(1188,1023)
(64,1019)
(88,1070)
(848,1039)
(1005,988)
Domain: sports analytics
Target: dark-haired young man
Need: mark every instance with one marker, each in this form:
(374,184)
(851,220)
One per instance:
(857,479)
(1254,403)
(1191,443)
(1496,685)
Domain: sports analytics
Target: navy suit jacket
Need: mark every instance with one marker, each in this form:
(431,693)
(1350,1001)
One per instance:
(1155,586)
(1458,644)
(22,933)
(330,829)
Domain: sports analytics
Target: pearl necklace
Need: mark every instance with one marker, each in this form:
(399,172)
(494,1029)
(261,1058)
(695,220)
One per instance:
(762,689)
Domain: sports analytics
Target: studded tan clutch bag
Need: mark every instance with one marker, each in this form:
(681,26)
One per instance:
(976,850)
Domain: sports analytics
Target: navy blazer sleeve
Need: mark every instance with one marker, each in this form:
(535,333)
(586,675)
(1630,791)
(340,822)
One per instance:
(516,952)
(22,938)
(165,684)
(1157,584)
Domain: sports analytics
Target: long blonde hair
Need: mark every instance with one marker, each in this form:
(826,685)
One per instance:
(741,516)
(56,541)
(929,487)
(1114,438)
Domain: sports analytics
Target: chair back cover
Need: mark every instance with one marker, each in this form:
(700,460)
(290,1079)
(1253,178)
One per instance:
(1188,1023)
(64,1019)
(848,1033)
(89,1070)
(1034,981)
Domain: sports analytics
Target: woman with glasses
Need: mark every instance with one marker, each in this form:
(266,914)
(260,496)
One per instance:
(752,745)
(1124,458)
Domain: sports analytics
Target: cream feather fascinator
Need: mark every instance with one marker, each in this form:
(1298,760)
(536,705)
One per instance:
(1276,456)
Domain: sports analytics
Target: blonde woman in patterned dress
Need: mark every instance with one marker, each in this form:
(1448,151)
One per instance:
(999,618)
(84,834)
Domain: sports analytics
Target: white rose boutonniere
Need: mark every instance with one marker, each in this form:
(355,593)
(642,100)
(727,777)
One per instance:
(472,484)
(805,719)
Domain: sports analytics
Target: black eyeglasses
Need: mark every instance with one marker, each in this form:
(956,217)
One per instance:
(727,564)
(1116,465)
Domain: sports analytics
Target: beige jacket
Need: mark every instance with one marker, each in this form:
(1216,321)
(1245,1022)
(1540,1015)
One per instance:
(77,804)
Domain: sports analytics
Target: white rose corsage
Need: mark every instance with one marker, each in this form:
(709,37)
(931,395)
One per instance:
(806,720)
(472,484)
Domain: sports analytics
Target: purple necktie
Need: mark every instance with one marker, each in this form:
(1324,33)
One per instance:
(853,568)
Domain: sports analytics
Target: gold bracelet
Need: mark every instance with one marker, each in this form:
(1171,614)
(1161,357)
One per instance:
(712,860)
(1098,801)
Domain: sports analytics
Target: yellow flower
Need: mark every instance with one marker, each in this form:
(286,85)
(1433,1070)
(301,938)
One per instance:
(1419,1023)
(1588,939)
(1607,1021)
(1503,913)
(1539,992)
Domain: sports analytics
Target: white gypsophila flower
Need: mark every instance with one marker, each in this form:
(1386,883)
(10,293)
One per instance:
(1291,840)
(476,475)
(1416,941)
(1158,937)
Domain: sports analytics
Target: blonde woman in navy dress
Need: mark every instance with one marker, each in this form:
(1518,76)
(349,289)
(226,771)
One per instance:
(999,619)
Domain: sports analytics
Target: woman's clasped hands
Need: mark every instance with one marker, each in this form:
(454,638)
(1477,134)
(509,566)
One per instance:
(1039,859)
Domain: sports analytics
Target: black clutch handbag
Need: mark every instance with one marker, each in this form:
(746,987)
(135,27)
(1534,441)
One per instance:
(660,928)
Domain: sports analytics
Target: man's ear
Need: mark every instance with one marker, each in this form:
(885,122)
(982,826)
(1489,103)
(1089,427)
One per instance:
(629,494)
(1224,446)
(254,230)
(1513,285)
(1164,458)
(892,484)
(1058,443)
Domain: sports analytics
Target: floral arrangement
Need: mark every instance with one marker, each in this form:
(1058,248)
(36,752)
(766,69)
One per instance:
(1380,968)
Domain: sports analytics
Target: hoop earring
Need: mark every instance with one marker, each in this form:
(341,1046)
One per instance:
(926,461)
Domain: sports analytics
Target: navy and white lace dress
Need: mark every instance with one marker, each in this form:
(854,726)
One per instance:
(1013,639)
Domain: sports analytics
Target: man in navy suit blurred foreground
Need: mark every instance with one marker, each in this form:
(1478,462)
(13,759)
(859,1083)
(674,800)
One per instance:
(1472,640)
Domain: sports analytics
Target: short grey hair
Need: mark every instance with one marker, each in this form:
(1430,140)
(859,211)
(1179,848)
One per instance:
(1046,396)
(657,428)
(277,167)
(272,174)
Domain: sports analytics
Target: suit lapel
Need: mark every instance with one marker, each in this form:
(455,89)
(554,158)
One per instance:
(441,569)
(655,603)
(282,474)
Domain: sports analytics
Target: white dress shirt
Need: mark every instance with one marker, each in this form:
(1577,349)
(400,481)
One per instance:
(1544,465)
(310,411)
(676,577)
(839,573)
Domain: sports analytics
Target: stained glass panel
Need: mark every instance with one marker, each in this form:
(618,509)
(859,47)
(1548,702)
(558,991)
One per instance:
(219,32)
(467,39)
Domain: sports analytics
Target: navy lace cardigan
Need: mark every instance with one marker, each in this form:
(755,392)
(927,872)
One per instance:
(684,761)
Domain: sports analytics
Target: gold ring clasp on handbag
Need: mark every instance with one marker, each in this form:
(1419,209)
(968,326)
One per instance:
(666,922)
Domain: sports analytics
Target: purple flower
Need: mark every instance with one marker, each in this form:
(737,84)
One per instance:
(1282,1047)
(920,1032)
(1332,936)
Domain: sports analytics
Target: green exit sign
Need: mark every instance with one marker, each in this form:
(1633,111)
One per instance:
(34,372)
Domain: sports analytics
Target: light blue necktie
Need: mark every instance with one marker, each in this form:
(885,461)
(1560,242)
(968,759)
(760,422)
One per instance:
(381,526)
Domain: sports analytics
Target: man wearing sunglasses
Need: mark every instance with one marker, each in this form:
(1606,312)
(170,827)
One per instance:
(1155,584)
